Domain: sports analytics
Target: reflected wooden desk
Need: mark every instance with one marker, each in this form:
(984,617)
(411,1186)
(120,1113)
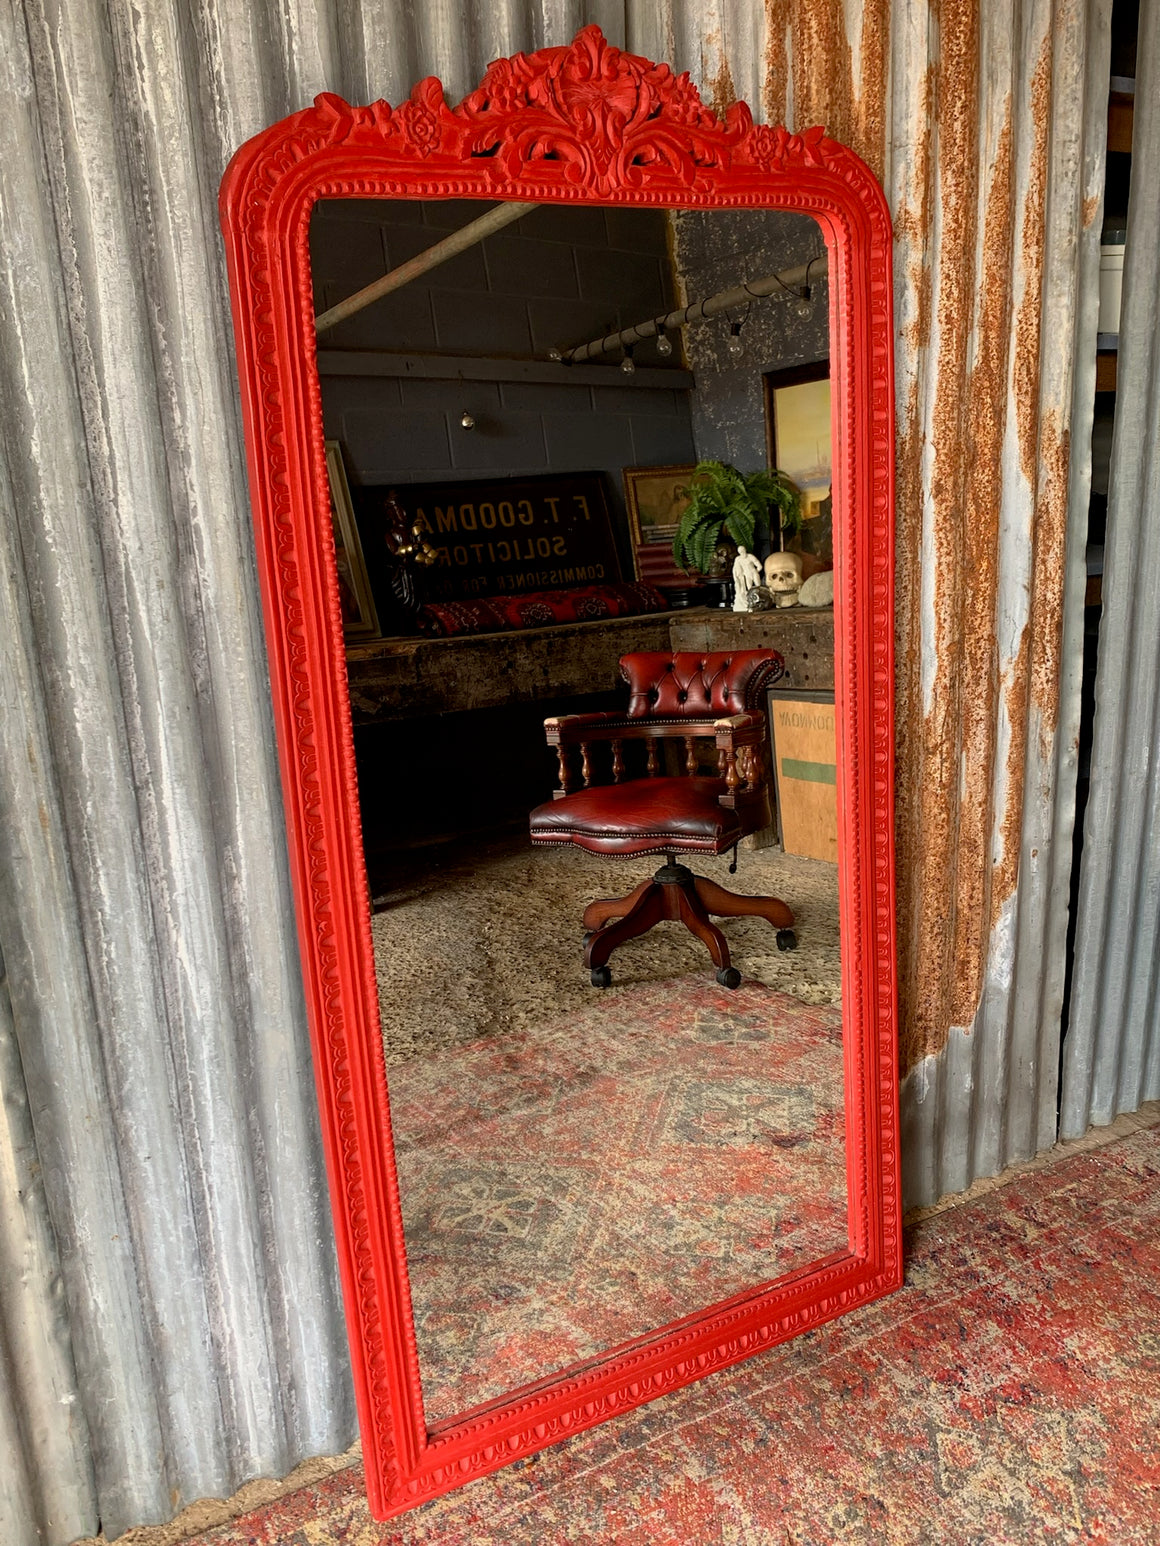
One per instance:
(392,679)
(803,636)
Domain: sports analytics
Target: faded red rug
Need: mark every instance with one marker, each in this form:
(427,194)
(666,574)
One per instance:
(573,1185)
(1009,1393)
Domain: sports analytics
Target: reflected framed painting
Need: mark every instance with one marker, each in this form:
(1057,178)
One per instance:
(655,498)
(799,441)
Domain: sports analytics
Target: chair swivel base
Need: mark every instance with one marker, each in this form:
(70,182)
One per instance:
(677,894)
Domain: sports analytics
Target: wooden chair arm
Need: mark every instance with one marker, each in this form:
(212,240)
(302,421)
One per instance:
(738,722)
(570,729)
(565,731)
(739,738)
(573,729)
(741,759)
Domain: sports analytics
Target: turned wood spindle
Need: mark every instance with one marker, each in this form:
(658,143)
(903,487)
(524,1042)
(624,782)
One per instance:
(585,765)
(653,762)
(732,780)
(565,771)
(617,760)
(690,755)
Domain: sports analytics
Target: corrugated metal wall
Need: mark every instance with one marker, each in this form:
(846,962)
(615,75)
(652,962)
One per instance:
(1112,1053)
(997,209)
(171,1324)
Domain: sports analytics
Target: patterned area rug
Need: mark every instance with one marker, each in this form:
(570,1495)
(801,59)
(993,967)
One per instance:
(1008,1394)
(573,1185)
(484,938)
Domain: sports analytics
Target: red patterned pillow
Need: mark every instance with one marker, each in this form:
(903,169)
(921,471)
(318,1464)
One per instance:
(447,619)
(540,609)
(581,604)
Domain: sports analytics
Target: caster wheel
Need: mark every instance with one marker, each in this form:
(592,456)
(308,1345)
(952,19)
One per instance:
(786,939)
(589,936)
(601,976)
(729,977)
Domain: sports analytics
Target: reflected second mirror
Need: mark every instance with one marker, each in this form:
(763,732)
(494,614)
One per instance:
(582,1164)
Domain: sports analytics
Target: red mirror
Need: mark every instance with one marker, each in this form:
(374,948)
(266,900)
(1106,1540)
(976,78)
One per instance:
(583,128)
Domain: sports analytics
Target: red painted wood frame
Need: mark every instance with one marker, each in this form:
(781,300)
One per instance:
(585,124)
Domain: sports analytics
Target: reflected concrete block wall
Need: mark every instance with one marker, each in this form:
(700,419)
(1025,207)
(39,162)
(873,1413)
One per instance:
(557,278)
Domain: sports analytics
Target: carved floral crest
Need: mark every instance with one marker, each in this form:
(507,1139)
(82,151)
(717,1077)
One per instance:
(589,112)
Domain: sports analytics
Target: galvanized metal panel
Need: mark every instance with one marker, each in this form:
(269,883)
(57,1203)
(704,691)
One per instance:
(145,916)
(1112,1052)
(157,1011)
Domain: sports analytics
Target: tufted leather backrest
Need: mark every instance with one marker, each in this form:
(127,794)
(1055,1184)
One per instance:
(691,685)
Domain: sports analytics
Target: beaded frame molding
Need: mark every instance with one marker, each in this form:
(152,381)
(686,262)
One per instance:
(582,124)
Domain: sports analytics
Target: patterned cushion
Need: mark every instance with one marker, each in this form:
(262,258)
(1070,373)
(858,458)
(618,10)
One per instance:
(445,619)
(540,609)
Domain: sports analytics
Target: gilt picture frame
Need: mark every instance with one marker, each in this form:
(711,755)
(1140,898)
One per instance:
(655,500)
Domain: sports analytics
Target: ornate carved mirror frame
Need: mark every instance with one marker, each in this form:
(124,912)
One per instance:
(584,124)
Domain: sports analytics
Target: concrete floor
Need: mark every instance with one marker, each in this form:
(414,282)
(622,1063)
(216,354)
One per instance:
(484,936)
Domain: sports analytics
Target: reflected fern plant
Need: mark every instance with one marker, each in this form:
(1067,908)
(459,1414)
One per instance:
(740,503)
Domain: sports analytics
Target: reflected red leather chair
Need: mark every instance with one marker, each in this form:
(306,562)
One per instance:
(694,699)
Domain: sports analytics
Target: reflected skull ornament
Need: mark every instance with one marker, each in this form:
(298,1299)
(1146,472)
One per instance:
(783,576)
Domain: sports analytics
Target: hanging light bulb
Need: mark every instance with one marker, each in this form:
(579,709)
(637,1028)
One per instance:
(555,356)
(628,364)
(735,346)
(466,420)
(664,342)
(805,305)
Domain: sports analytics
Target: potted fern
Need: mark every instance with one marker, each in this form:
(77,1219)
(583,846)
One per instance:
(739,503)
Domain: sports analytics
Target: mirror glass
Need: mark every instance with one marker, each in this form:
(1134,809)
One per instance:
(582,1165)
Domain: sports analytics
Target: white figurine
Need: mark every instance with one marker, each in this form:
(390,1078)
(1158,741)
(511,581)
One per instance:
(746,574)
(783,576)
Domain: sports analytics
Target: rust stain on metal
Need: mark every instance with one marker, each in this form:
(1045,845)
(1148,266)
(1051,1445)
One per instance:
(824,88)
(1047,594)
(978,510)
(1043,443)
(1046,566)
(1091,206)
(721,91)
(1006,872)
(911,225)
(934,772)
(775,88)
(1027,323)
(976,299)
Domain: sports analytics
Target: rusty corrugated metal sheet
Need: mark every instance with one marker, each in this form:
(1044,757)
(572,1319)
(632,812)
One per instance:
(148,938)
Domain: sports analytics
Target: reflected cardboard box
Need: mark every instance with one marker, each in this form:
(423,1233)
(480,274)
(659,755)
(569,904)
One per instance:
(802,725)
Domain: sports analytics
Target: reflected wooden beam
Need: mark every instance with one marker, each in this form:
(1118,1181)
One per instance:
(791,281)
(423,262)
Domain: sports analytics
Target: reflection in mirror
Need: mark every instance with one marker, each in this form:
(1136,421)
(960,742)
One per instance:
(593,1140)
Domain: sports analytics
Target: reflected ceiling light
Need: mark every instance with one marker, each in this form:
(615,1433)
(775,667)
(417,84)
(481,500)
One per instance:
(805,305)
(628,364)
(664,342)
(466,421)
(735,346)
